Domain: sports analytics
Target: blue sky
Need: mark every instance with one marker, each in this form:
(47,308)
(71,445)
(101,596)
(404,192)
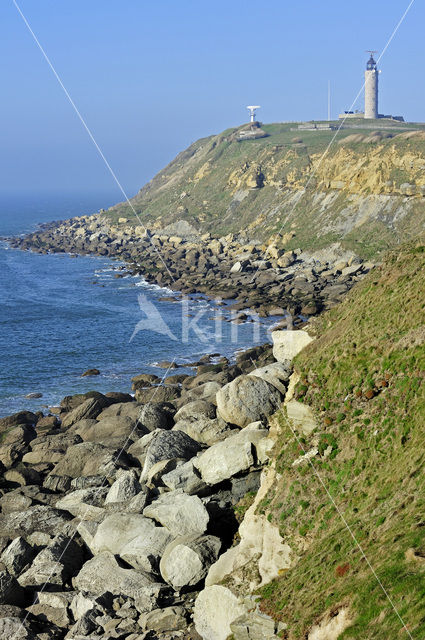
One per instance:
(151,77)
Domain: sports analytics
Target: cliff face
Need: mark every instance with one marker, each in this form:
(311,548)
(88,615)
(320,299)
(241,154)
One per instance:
(365,189)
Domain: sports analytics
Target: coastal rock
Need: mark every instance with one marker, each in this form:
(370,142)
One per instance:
(247,399)
(11,627)
(103,573)
(37,518)
(90,408)
(113,431)
(157,415)
(301,417)
(10,590)
(288,344)
(84,503)
(164,620)
(125,487)
(276,374)
(118,529)
(234,455)
(21,417)
(89,459)
(195,409)
(54,565)
(204,430)
(17,556)
(91,372)
(180,513)
(14,501)
(129,409)
(186,560)
(215,609)
(186,478)
(50,449)
(143,552)
(166,445)
(144,380)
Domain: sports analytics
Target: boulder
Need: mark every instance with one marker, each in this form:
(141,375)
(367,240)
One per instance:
(20,434)
(103,573)
(143,552)
(89,459)
(90,372)
(118,529)
(54,565)
(38,518)
(10,590)
(216,607)
(17,555)
(144,380)
(164,620)
(276,374)
(125,409)
(22,476)
(14,501)
(118,397)
(53,616)
(203,429)
(287,344)
(125,487)
(301,417)
(90,408)
(16,629)
(50,449)
(154,596)
(157,415)
(247,399)
(21,417)
(186,478)
(232,456)
(84,503)
(195,409)
(111,431)
(186,560)
(166,445)
(180,513)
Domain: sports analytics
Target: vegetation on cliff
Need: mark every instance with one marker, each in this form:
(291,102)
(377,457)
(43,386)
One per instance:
(364,379)
(303,188)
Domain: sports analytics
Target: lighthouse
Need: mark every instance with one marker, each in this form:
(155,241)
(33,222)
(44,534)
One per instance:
(371,89)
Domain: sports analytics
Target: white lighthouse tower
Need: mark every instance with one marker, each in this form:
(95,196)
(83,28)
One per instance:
(371,89)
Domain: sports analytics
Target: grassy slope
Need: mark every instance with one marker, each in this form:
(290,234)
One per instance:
(364,378)
(201,183)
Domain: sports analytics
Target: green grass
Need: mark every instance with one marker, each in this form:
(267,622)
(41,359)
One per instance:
(371,461)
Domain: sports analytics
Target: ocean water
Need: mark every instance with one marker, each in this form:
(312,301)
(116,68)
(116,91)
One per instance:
(61,315)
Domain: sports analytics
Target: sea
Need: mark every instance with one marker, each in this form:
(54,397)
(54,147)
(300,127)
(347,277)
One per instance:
(61,315)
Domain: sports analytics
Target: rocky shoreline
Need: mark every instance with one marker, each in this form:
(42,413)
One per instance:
(266,279)
(115,510)
(121,516)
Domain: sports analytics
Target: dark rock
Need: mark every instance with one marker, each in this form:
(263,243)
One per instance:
(37,518)
(118,397)
(17,556)
(166,445)
(157,415)
(54,565)
(11,591)
(91,372)
(21,417)
(89,408)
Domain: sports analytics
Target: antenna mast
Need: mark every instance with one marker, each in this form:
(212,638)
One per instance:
(329,100)
(252,110)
